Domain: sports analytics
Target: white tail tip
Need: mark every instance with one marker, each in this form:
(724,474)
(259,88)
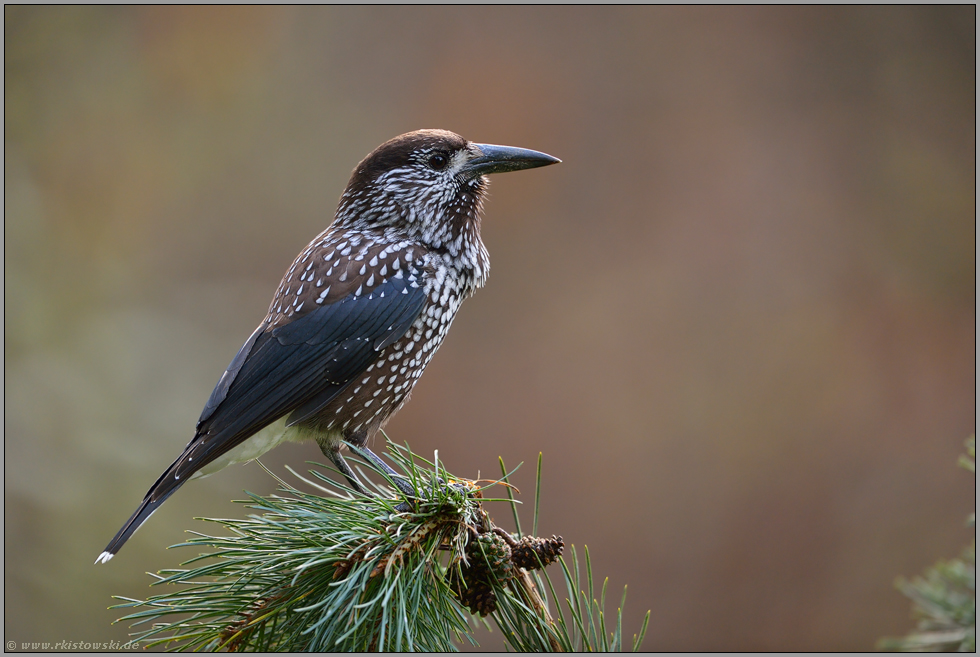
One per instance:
(104,557)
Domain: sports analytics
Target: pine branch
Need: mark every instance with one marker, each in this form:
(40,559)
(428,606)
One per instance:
(944,599)
(340,571)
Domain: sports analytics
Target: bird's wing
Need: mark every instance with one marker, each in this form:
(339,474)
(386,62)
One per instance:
(334,312)
(341,303)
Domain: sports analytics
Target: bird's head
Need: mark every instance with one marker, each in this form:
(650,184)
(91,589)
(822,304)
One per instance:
(428,185)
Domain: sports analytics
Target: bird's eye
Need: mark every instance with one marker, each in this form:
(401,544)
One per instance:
(438,161)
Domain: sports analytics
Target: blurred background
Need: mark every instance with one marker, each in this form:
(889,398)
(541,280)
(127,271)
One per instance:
(739,320)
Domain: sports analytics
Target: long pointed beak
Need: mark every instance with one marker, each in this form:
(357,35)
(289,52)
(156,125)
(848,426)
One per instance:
(499,159)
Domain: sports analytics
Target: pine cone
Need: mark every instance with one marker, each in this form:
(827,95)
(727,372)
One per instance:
(491,552)
(479,598)
(530,549)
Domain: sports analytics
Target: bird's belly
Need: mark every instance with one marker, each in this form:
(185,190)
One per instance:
(257,445)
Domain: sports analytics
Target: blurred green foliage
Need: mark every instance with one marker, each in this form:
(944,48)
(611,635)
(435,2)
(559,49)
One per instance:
(944,599)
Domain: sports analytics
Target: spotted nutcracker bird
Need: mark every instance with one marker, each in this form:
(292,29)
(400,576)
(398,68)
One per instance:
(357,316)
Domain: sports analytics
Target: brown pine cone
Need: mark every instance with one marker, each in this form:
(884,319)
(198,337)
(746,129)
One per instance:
(531,548)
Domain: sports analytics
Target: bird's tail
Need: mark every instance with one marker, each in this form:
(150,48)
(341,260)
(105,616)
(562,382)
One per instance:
(147,507)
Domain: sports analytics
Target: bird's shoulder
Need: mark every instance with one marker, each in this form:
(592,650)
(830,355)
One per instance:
(339,265)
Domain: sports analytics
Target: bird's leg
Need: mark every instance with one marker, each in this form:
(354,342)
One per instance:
(332,451)
(397,479)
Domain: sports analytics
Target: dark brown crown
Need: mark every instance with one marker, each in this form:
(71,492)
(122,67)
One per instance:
(397,152)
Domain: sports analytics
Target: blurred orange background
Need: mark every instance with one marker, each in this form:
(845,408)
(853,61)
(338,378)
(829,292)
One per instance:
(739,320)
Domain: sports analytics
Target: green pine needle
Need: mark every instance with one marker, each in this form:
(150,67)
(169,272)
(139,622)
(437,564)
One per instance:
(340,571)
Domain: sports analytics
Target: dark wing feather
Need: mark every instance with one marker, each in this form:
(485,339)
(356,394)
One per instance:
(221,390)
(299,367)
